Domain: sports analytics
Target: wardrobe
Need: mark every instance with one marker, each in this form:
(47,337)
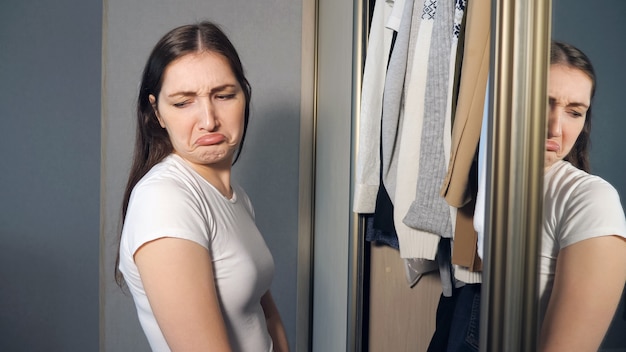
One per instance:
(335,291)
(385,312)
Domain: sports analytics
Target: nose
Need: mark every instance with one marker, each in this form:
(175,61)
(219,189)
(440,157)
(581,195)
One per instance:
(554,123)
(207,119)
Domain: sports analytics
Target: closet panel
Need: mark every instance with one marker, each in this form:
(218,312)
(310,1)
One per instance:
(401,318)
(331,297)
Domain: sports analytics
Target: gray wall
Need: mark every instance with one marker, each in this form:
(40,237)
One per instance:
(267,35)
(599,29)
(50,60)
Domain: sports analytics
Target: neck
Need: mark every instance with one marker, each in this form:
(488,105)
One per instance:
(218,175)
(218,178)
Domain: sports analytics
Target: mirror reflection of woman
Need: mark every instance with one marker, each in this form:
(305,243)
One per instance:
(190,252)
(583,239)
(583,252)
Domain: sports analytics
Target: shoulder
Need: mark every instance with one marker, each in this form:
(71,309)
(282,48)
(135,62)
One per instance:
(569,181)
(170,171)
(167,181)
(582,205)
(166,193)
(167,201)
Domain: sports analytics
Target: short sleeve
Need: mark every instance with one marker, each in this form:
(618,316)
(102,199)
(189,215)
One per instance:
(593,210)
(165,208)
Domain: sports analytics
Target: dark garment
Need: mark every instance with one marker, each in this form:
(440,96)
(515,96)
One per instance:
(458,321)
(445,311)
(380,226)
(379,236)
(383,213)
(465,325)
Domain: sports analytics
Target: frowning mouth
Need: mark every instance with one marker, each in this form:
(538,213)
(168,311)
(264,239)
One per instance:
(211,139)
(552,146)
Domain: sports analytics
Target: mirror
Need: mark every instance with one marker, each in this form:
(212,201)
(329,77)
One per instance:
(598,30)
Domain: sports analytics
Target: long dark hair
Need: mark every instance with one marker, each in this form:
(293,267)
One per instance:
(568,55)
(152,143)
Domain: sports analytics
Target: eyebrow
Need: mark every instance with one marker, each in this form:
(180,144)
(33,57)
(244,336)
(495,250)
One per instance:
(571,105)
(187,93)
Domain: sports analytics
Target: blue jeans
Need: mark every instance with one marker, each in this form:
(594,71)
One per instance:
(465,325)
(458,321)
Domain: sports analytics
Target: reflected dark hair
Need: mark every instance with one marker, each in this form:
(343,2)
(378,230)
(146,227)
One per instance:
(570,56)
(152,143)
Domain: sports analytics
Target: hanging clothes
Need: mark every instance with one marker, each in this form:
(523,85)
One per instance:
(413,243)
(392,99)
(468,122)
(429,212)
(384,22)
(402,171)
(405,69)
(379,225)
(469,109)
(423,135)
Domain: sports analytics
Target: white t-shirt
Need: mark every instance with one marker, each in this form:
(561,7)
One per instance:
(172,200)
(577,206)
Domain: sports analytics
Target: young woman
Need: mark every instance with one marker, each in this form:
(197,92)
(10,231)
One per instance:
(190,252)
(583,239)
(583,248)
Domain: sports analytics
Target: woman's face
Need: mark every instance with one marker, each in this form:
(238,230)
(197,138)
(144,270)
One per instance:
(201,105)
(569,95)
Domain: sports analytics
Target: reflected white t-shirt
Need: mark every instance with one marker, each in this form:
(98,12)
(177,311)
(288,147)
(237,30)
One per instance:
(172,200)
(577,206)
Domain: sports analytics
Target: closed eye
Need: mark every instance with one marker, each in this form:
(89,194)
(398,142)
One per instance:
(225,96)
(182,104)
(576,114)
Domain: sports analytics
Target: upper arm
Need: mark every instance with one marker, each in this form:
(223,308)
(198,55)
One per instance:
(177,276)
(588,283)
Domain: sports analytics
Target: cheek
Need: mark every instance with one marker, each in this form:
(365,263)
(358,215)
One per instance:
(178,131)
(238,122)
(574,130)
